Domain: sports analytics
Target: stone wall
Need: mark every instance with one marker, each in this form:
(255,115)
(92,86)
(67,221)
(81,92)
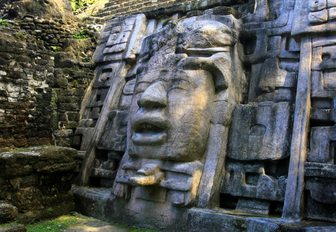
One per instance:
(35,183)
(271,146)
(44,71)
(125,7)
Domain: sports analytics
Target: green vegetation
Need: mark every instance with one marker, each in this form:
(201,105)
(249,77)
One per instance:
(4,22)
(75,221)
(81,35)
(78,4)
(55,225)
(55,48)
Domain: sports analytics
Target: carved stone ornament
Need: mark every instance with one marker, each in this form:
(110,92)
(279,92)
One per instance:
(213,116)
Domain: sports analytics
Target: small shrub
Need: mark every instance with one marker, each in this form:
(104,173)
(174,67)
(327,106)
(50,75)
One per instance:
(4,22)
(55,48)
(78,4)
(81,35)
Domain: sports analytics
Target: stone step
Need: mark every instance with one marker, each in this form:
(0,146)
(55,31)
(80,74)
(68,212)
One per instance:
(223,220)
(91,201)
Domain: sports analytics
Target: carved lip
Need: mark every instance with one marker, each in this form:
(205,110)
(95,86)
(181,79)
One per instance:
(147,130)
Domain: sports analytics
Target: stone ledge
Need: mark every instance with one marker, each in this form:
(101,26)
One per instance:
(37,181)
(12,227)
(223,220)
(45,159)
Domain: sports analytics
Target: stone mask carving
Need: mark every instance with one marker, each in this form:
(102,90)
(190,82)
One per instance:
(187,82)
(174,103)
(173,116)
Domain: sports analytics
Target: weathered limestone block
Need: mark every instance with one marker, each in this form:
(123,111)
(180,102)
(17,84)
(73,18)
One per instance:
(323,83)
(321,199)
(253,206)
(322,145)
(332,13)
(320,172)
(126,97)
(323,66)
(8,212)
(178,181)
(114,136)
(331,3)
(260,132)
(316,5)
(37,181)
(322,190)
(272,76)
(251,181)
(313,17)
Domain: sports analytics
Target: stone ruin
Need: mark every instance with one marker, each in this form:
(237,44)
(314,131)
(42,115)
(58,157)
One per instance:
(213,116)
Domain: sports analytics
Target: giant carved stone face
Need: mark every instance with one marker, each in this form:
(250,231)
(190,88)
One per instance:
(176,92)
(173,116)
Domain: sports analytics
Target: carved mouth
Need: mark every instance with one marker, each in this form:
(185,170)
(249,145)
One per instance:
(149,131)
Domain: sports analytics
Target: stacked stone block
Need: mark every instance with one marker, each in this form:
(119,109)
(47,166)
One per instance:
(35,183)
(121,7)
(41,87)
(126,7)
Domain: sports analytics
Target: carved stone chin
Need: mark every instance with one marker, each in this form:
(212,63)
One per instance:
(149,174)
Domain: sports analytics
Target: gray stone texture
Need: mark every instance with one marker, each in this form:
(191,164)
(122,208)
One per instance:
(260,132)
(41,85)
(8,212)
(35,183)
(227,106)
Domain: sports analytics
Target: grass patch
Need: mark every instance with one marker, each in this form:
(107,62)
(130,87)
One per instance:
(77,222)
(56,225)
(4,23)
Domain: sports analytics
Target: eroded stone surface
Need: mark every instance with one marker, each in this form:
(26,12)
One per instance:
(37,181)
(260,132)
(8,212)
(180,127)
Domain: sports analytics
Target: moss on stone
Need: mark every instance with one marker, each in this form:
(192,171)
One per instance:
(77,222)
(56,225)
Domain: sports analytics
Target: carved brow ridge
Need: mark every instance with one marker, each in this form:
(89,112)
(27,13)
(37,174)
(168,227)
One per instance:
(172,77)
(206,51)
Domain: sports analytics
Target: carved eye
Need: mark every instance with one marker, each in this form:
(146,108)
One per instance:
(325,56)
(180,84)
(141,87)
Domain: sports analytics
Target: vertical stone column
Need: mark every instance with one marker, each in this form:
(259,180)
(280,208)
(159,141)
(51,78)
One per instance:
(295,184)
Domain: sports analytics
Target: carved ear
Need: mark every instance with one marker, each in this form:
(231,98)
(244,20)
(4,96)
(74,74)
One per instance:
(217,65)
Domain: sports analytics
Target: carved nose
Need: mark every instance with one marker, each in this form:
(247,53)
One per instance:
(155,96)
